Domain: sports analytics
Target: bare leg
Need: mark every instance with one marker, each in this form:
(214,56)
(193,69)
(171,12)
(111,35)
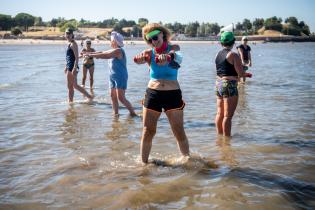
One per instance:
(70,86)
(150,119)
(84,75)
(176,119)
(230,105)
(115,104)
(79,88)
(91,71)
(124,101)
(219,116)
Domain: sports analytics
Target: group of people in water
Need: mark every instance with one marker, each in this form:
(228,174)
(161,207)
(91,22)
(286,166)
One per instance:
(163,92)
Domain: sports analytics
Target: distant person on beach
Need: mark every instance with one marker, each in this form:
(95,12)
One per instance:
(71,68)
(245,55)
(118,74)
(163,92)
(88,63)
(229,69)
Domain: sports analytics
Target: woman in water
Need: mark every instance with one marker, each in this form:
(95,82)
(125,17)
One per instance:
(88,63)
(71,68)
(163,92)
(118,72)
(229,69)
(245,55)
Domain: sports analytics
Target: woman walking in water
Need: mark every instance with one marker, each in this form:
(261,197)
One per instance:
(118,78)
(71,68)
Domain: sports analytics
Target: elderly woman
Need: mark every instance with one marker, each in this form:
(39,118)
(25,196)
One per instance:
(118,74)
(229,69)
(71,68)
(163,92)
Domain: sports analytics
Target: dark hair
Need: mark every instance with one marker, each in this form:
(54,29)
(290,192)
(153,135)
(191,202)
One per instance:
(228,44)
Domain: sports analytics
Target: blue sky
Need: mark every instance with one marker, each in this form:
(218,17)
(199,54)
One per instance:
(167,11)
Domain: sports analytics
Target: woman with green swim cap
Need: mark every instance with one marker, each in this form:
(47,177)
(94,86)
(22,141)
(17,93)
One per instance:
(229,69)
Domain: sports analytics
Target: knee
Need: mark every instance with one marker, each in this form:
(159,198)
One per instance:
(113,96)
(228,116)
(121,98)
(149,131)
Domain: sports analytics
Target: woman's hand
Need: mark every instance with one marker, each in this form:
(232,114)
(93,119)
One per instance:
(162,59)
(140,58)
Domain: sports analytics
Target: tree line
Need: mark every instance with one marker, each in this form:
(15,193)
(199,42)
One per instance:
(23,21)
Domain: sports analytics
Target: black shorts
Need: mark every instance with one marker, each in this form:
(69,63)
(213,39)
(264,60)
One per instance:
(163,99)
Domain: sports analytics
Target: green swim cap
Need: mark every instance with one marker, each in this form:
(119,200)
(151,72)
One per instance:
(227,37)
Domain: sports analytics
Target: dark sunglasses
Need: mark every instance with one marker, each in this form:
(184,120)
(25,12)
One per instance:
(155,38)
(88,43)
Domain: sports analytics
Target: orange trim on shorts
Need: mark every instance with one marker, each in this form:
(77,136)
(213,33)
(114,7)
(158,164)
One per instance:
(179,108)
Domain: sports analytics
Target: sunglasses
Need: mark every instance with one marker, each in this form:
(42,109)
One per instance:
(155,38)
(88,43)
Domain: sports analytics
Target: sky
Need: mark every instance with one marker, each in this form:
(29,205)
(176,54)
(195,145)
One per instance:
(167,11)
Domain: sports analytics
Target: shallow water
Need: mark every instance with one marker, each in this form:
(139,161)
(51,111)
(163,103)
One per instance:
(59,156)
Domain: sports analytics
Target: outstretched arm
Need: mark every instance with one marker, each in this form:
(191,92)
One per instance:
(143,57)
(114,53)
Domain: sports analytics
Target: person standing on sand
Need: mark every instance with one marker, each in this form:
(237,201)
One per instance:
(229,69)
(88,63)
(163,92)
(71,68)
(245,55)
(118,78)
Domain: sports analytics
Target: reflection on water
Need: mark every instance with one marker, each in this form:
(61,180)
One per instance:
(227,153)
(59,156)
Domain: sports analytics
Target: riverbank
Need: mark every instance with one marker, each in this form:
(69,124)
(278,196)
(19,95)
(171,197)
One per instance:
(253,39)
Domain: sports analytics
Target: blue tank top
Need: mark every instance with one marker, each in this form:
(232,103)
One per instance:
(70,58)
(162,72)
(118,67)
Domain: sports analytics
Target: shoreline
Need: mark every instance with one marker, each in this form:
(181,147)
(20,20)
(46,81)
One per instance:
(252,40)
(95,42)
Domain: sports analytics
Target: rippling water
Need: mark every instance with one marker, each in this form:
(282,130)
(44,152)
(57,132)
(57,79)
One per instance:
(57,156)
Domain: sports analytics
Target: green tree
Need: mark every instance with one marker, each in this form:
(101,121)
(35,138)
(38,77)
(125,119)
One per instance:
(292,21)
(201,30)
(304,28)
(239,26)
(142,22)
(118,27)
(16,31)
(136,31)
(53,22)
(178,28)
(38,21)
(212,29)
(25,20)
(247,25)
(69,24)
(191,29)
(258,23)
(273,23)
(6,22)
